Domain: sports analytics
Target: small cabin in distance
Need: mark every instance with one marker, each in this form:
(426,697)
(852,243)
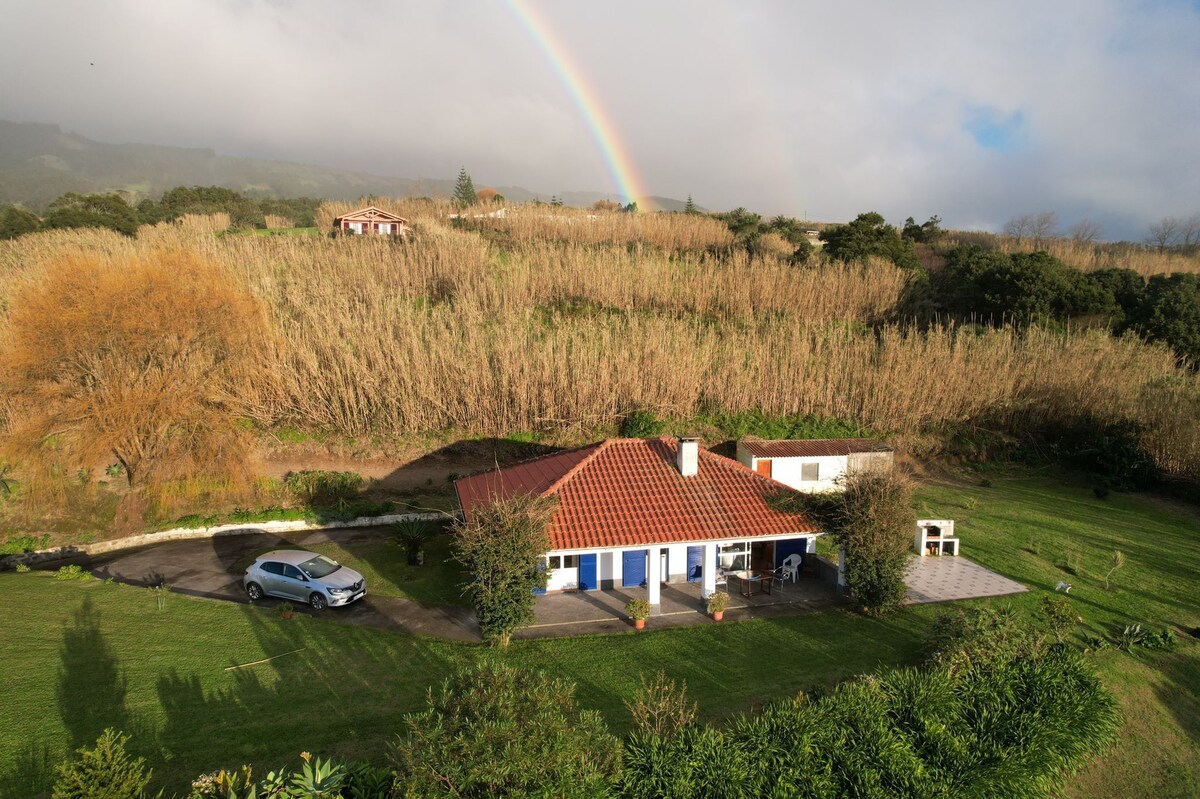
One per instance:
(372,220)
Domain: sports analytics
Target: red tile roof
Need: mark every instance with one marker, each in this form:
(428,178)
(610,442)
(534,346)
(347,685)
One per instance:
(628,492)
(811,448)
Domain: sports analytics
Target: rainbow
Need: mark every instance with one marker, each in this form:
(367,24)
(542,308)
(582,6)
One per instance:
(603,131)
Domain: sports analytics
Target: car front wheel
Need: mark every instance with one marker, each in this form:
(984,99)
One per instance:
(317,601)
(254,591)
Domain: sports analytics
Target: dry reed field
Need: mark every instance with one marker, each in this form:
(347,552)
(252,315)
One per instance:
(461,333)
(1091,257)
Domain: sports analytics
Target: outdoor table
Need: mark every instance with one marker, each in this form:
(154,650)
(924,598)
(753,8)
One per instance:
(754,582)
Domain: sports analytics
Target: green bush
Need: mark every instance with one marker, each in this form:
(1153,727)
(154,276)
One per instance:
(15,545)
(320,489)
(496,731)
(642,424)
(72,572)
(103,772)
(501,546)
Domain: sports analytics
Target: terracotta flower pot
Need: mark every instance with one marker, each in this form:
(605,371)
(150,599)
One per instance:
(717,616)
(639,624)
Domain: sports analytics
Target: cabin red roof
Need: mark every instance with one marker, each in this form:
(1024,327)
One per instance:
(370,214)
(629,492)
(813,447)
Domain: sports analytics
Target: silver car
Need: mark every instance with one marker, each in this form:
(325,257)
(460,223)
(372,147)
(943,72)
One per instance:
(307,577)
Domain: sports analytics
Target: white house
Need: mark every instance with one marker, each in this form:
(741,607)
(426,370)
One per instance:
(815,464)
(637,512)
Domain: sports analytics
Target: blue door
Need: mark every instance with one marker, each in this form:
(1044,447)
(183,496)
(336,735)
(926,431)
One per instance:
(633,567)
(790,546)
(587,572)
(541,567)
(695,564)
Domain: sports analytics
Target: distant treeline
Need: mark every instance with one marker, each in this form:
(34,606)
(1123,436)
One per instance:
(114,212)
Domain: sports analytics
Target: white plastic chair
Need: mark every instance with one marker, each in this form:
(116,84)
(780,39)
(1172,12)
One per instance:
(791,567)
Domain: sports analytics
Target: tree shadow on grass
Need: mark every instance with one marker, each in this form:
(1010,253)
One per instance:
(31,773)
(318,686)
(91,687)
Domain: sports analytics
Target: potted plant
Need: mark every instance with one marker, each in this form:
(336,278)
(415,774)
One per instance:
(639,611)
(286,609)
(717,602)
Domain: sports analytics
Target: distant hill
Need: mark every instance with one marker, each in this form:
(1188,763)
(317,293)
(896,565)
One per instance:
(39,162)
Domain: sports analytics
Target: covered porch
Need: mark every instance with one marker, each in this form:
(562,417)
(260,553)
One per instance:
(681,604)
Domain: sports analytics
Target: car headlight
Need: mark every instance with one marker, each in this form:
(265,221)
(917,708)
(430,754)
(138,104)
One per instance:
(339,591)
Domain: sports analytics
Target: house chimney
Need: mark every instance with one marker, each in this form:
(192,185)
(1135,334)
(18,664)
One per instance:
(687,457)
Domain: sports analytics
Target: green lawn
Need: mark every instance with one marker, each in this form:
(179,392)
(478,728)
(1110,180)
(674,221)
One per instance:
(78,656)
(1026,528)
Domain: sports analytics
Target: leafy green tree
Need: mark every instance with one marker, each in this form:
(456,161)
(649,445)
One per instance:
(501,546)
(464,190)
(243,212)
(16,221)
(996,287)
(868,235)
(497,731)
(1170,312)
(1127,288)
(103,772)
(690,207)
(110,211)
(927,232)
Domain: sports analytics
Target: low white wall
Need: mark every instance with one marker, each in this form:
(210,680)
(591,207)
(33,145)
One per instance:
(189,533)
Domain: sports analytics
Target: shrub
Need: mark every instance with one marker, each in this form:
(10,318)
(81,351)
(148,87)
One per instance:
(413,535)
(23,568)
(321,489)
(964,639)
(501,546)
(1059,615)
(72,572)
(718,601)
(873,520)
(17,545)
(494,730)
(661,706)
(638,609)
(103,772)
(642,424)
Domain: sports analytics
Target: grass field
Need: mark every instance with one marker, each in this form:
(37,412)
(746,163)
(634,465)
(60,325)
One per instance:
(79,656)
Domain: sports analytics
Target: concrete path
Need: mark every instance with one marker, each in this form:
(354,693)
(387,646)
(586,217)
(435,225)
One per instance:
(603,612)
(934,579)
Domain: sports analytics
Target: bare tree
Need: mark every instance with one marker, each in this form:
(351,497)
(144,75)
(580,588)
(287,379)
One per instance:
(143,359)
(1085,231)
(1045,227)
(1189,235)
(1019,227)
(1165,233)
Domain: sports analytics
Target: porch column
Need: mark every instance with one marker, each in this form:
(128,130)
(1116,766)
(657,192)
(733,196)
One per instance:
(653,578)
(708,571)
(841,581)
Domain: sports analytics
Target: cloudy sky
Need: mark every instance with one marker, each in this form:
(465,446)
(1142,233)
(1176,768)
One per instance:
(974,111)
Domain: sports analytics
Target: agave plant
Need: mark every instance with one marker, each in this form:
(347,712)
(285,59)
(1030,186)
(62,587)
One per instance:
(317,779)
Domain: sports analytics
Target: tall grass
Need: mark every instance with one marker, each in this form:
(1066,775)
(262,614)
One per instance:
(1089,257)
(454,330)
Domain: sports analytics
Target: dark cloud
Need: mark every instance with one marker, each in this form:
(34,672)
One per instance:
(775,106)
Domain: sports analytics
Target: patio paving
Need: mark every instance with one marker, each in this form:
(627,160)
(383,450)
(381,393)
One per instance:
(603,612)
(934,579)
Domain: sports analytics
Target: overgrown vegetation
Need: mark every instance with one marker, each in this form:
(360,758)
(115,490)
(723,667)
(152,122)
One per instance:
(560,321)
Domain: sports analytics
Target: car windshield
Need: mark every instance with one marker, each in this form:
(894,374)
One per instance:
(319,566)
